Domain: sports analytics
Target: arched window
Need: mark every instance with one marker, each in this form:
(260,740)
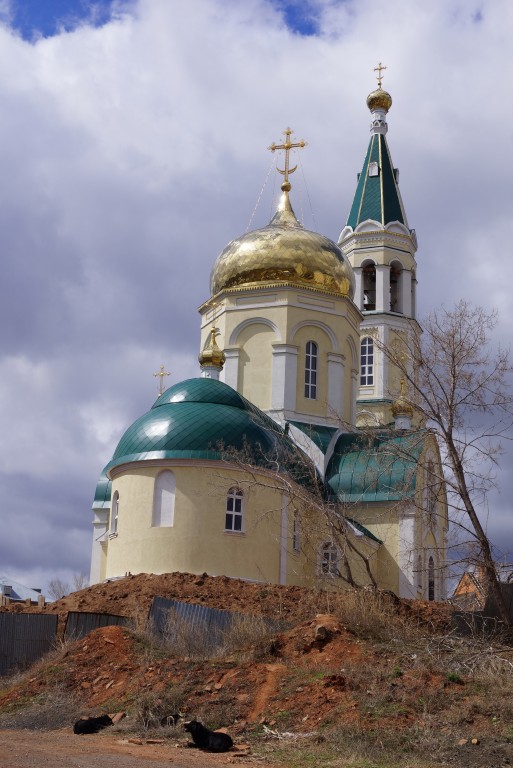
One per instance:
(396,287)
(431,494)
(420,579)
(234,510)
(296,533)
(329,559)
(367,361)
(431,579)
(114,514)
(369,287)
(164,499)
(312,352)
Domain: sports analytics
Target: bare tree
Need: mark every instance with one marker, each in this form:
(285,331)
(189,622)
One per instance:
(80,581)
(287,468)
(459,386)
(58,588)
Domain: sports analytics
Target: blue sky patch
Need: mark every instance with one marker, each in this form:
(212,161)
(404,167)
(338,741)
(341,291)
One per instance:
(35,18)
(301,16)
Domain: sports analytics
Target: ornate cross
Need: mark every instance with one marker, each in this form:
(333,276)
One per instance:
(379,69)
(161,375)
(287,146)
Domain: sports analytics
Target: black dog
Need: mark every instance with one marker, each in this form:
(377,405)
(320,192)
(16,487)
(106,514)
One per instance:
(212,741)
(92,724)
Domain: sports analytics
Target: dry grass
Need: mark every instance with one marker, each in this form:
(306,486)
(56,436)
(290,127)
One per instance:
(373,616)
(245,638)
(53,709)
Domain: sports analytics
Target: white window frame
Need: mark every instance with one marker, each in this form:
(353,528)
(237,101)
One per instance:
(114,515)
(329,557)
(234,515)
(367,362)
(311,369)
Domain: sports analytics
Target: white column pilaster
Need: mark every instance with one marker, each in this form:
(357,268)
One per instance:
(406,293)
(100,524)
(382,287)
(358,291)
(284,375)
(406,554)
(335,385)
(230,373)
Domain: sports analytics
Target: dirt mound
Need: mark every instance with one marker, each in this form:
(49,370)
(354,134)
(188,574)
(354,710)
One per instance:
(131,596)
(323,679)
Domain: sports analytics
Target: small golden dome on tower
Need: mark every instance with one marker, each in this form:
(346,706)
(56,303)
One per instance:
(212,354)
(401,406)
(379,99)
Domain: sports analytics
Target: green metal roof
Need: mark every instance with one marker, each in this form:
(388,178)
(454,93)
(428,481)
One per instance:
(206,419)
(103,492)
(377,197)
(320,435)
(375,467)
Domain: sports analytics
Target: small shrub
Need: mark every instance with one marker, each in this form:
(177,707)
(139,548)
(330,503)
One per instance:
(249,637)
(158,710)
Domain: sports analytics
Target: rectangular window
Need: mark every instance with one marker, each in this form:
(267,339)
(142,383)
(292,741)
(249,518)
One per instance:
(367,362)
(311,371)
(233,520)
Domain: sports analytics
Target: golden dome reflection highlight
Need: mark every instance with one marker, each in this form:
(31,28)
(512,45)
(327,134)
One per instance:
(283,252)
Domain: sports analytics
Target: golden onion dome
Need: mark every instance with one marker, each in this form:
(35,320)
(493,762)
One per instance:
(283,252)
(212,354)
(401,406)
(379,99)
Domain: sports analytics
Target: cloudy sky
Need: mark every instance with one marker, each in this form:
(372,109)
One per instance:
(133,140)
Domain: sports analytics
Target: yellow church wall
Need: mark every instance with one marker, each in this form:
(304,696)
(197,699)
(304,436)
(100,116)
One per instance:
(382,521)
(317,406)
(250,321)
(197,542)
(255,364)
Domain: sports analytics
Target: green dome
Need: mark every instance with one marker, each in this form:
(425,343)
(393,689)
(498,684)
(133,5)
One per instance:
(207,419)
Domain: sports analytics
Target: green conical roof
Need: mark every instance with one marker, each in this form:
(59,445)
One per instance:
(377,194)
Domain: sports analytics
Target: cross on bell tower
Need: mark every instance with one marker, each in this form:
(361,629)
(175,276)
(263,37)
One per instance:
(379,69)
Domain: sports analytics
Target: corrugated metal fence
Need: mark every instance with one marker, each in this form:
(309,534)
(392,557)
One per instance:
(24,638)
(208,626)
(79,624)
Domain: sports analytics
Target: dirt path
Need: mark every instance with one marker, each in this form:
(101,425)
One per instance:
(62,749)
(274,672)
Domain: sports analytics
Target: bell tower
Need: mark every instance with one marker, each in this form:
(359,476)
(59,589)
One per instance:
(380,246)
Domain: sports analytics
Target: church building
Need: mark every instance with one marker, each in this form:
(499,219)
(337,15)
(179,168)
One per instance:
(295,457)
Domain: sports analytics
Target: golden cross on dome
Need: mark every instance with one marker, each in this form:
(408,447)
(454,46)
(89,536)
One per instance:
(161,375)
(379,69)
(287,146)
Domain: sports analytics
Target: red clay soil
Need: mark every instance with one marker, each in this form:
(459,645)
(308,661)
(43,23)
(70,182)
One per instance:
(315,675)
(131,596)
